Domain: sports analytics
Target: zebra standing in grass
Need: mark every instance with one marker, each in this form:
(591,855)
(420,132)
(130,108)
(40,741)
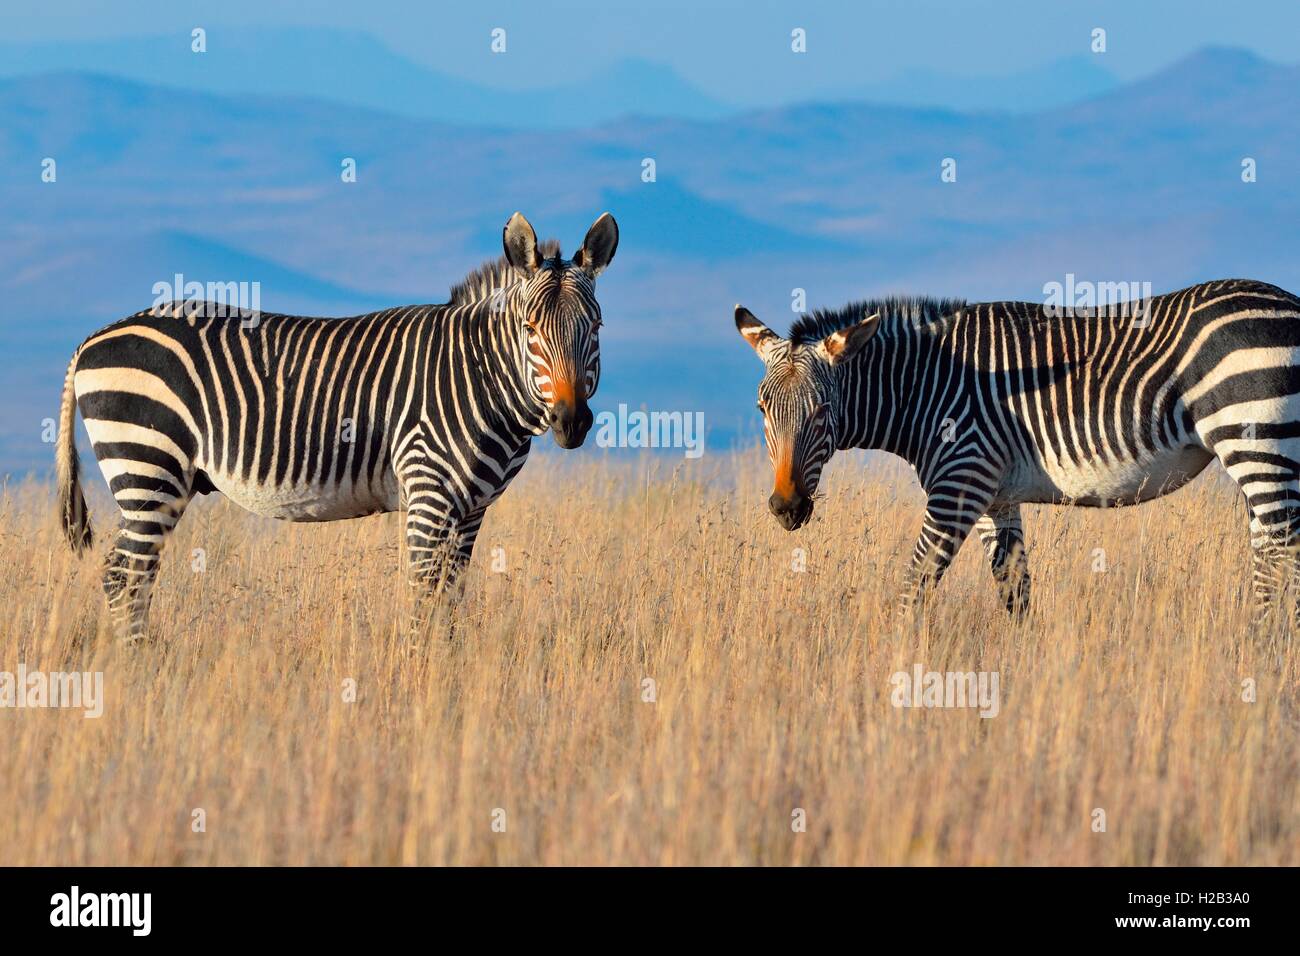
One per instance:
(429,408)
(1003,403)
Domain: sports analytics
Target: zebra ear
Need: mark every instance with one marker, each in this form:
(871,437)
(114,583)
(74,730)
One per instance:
(758,335)
(598,248)
(842,344)
(520,243)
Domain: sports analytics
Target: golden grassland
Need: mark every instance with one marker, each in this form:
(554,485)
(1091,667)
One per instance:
(1122,691)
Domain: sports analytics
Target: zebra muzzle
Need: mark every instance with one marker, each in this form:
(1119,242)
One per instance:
(570,423)
(791,511)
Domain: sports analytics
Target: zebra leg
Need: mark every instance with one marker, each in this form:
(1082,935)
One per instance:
(1003,538)
(950,514)
(430,547)
(443,590)
(465,536)
(131,566)
(1275,569)
(1268,473)
(460,550)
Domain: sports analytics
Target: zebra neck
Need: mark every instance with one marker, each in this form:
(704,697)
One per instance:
(882,394)
(496,350)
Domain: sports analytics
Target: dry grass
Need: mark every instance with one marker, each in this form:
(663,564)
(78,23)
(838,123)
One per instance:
(1123,690)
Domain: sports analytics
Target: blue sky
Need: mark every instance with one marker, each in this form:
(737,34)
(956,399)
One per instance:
(736,50)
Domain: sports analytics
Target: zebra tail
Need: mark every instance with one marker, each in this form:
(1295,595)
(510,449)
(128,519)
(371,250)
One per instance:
(72,503)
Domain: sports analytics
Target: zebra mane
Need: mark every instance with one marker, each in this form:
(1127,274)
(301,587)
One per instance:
(894,310)
(495,274)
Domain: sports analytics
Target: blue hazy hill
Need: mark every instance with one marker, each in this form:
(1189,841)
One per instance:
(356,69)
(1023,91)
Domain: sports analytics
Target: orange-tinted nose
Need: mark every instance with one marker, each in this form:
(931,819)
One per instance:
(786,485)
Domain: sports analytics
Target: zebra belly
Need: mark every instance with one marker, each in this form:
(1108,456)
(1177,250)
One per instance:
(1105,483)
(308,502)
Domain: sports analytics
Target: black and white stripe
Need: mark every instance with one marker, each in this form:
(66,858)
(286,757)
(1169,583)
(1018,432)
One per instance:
(428,408)
(1003,403)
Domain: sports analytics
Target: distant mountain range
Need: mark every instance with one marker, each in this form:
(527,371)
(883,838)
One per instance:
(841,199)
(358,70)
(1023,91)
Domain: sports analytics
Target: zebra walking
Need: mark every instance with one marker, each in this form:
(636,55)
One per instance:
(998,404)
(429,408)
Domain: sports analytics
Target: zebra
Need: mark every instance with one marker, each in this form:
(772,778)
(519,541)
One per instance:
(430,409)
(1000,404)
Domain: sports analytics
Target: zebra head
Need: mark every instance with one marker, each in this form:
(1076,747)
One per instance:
(799,398)
(562,319)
